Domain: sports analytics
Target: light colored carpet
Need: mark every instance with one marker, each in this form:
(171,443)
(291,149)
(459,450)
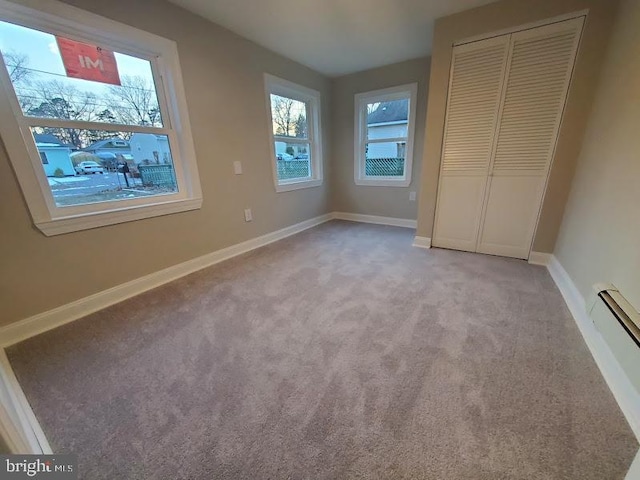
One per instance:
(339,353)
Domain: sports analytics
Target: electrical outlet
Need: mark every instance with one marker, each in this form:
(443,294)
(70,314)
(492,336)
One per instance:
(412,196)
(237,167)
(247,215)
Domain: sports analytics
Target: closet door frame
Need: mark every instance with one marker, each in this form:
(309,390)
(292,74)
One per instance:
(579,14)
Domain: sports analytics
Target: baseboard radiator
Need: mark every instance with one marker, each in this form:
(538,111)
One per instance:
(619,324)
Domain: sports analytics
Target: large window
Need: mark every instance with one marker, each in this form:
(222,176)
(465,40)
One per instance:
(384,128)
(93,118)
(296,140)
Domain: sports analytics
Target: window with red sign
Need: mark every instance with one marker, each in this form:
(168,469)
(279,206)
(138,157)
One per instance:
(104,104)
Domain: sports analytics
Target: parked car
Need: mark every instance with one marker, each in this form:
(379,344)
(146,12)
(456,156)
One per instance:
(89,167)
(284,156)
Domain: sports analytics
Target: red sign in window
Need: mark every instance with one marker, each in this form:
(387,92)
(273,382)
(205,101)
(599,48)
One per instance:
(89,62)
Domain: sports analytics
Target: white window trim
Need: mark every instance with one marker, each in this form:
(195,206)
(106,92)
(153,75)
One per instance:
(74,23)
(360,118)
(288,89)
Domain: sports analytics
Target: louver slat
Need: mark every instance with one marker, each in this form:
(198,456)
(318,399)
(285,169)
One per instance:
(533,103)
(474,95)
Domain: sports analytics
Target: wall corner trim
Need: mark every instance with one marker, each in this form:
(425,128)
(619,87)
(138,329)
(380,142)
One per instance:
(625,394)
(422,242)
(539,258)
(392,221)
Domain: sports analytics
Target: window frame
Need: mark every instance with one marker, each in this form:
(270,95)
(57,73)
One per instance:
(311,98)
(57,18)
(361,100)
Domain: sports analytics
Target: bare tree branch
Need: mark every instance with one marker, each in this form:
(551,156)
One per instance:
(17,66)
(56,99)
(282,112)
(134,102)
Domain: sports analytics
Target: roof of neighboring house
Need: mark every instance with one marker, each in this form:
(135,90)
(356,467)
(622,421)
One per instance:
(50,139)
(394,111)
(106,144)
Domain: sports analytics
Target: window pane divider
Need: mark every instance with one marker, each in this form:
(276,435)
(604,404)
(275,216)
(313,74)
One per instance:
(84,125)
(387,140)
(278,138)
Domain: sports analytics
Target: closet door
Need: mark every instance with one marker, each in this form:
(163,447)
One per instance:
(475,83)
(538,75)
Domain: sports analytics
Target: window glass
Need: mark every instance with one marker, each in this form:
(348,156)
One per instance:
(384,136)
(85,119)
(110,166)
(46,89)
(293,160)
(384,159)
(88,165)
(295,134)
(289,117)
(387,119)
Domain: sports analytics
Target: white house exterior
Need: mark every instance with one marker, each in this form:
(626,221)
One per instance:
(55,155)
(149,149)
(388,121)
(298,149)
(387,130)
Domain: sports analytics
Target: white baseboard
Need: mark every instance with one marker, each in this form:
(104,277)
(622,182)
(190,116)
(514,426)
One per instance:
(18,424)
(634,470)
(394,222)
(40,323)
(625,394)
(539,258)
(20,428)
(422,242)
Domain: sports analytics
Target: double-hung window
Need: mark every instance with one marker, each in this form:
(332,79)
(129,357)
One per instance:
(384,130)
(294,129)
(94,118)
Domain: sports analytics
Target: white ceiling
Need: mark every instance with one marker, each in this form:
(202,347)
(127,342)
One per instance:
(334,37)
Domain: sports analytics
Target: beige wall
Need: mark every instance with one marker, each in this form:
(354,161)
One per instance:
(224,88)
(506,14)
(600,236)
(346,195)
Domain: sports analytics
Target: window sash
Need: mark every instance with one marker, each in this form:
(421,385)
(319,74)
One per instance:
(292,139)
(385,140)
(70,22)
(403,92)
(25,122)
(307,112)
(312,101)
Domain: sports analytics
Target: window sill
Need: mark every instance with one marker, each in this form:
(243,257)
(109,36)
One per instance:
(59,226)
(287,187)
(405,182)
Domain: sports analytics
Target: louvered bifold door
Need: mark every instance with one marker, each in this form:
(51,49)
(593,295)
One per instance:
(538,75)
(475,83)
